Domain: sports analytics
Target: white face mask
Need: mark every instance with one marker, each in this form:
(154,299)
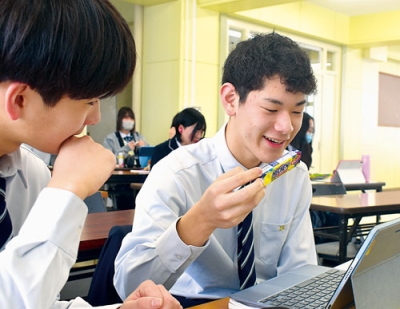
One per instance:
(127,124)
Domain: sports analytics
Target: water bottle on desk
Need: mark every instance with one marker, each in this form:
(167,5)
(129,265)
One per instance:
(366,167)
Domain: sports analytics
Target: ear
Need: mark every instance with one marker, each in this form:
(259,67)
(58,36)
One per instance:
(229,98)
(15,99)
(180,128)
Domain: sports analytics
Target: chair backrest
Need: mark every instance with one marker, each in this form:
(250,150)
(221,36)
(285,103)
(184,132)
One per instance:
(328,188)
(95,203)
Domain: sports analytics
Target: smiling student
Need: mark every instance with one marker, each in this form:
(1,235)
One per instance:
(184,234)
(57,59)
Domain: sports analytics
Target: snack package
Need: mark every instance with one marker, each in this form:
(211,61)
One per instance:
(279,167)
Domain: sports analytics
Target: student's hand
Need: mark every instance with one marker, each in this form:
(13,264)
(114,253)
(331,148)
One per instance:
(132,145)
(82,166)
(150,296)
(140,143)
(221,206)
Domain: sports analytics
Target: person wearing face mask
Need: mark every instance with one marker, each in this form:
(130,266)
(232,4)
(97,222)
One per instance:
(189,126)
(126,141)
(303,140)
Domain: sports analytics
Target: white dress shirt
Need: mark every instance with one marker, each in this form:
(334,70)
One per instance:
(47,225)
(153,250)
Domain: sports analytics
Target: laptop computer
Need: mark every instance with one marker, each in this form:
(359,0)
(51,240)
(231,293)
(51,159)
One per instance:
(371,280)
(348,171)
(145,153)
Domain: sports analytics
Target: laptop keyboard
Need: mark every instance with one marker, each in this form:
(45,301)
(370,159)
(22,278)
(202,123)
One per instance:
(312,293)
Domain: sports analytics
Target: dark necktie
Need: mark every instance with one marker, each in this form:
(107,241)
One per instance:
(245,251)
(129,138)
(5,220)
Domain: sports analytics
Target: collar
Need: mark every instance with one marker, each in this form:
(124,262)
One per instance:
(11,165)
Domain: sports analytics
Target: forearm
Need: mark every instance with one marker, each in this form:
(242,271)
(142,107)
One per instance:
(36,263)
(162,261)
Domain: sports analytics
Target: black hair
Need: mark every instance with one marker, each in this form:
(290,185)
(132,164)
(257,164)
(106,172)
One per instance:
(188,117)
(300,138)
(260,58)
(82,49)
(123,112)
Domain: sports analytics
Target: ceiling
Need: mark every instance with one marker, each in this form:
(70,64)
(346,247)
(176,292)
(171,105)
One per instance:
(358,7)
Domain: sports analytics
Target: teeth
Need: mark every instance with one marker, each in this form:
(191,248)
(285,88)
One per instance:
(274,140)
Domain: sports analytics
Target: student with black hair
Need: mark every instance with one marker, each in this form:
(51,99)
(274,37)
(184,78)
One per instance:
(189,126)
(55,65)
(125,139)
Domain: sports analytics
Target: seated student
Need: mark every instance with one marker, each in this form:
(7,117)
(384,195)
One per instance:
(189,210)
(50,85)
(303,140)
(125,139)
(190,127)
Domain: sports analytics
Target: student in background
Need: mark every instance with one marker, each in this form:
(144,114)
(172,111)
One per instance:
(303,140)
(184,234)
(189,126)
(54,67)
(125,139)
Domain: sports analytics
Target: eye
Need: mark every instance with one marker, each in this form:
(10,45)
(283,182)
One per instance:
(93,102)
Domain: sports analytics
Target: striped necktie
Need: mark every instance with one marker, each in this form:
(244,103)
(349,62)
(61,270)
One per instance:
(5,220)
(245,251)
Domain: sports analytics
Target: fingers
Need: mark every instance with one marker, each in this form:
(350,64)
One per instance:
(82,166)
(150,295)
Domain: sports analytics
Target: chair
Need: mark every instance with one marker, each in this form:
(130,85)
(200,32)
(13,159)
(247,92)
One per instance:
(95,203)
(101,290)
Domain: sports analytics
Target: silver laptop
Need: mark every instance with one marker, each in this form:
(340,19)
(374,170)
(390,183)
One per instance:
(371,280)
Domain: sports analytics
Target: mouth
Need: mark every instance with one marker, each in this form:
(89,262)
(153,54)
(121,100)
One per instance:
(274,141)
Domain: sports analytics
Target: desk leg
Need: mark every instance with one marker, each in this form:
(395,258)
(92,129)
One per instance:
(343,239)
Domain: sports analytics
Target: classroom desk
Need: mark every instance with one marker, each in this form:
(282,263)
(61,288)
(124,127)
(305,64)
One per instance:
(120,176)
(374,185)
(355,206)
(96,228)
(216,304)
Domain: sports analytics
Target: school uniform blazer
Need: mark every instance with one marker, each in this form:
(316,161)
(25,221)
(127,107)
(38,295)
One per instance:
(163,149)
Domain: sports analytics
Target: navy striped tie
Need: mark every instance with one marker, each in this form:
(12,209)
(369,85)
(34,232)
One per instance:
(245,251)
(5,220)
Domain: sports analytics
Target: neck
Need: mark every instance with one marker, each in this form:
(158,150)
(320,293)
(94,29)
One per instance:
(125,131)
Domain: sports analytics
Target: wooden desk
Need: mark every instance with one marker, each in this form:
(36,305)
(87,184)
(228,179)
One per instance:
(354,206)
(96,228)
(216,304)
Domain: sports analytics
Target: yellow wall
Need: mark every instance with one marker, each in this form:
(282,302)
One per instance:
(169,83)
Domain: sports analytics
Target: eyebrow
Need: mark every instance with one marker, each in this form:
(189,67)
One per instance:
(274,101)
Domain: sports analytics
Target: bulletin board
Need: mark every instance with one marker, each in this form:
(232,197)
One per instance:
(389,100)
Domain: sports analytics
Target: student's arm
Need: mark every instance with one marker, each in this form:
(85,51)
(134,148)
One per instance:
(35,264)
(158,247)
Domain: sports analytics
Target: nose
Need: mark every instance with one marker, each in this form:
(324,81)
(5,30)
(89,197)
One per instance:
(283,123)
(94,115)
(199,134)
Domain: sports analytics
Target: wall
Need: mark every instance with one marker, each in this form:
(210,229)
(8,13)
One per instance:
(360,133)
(171,80)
